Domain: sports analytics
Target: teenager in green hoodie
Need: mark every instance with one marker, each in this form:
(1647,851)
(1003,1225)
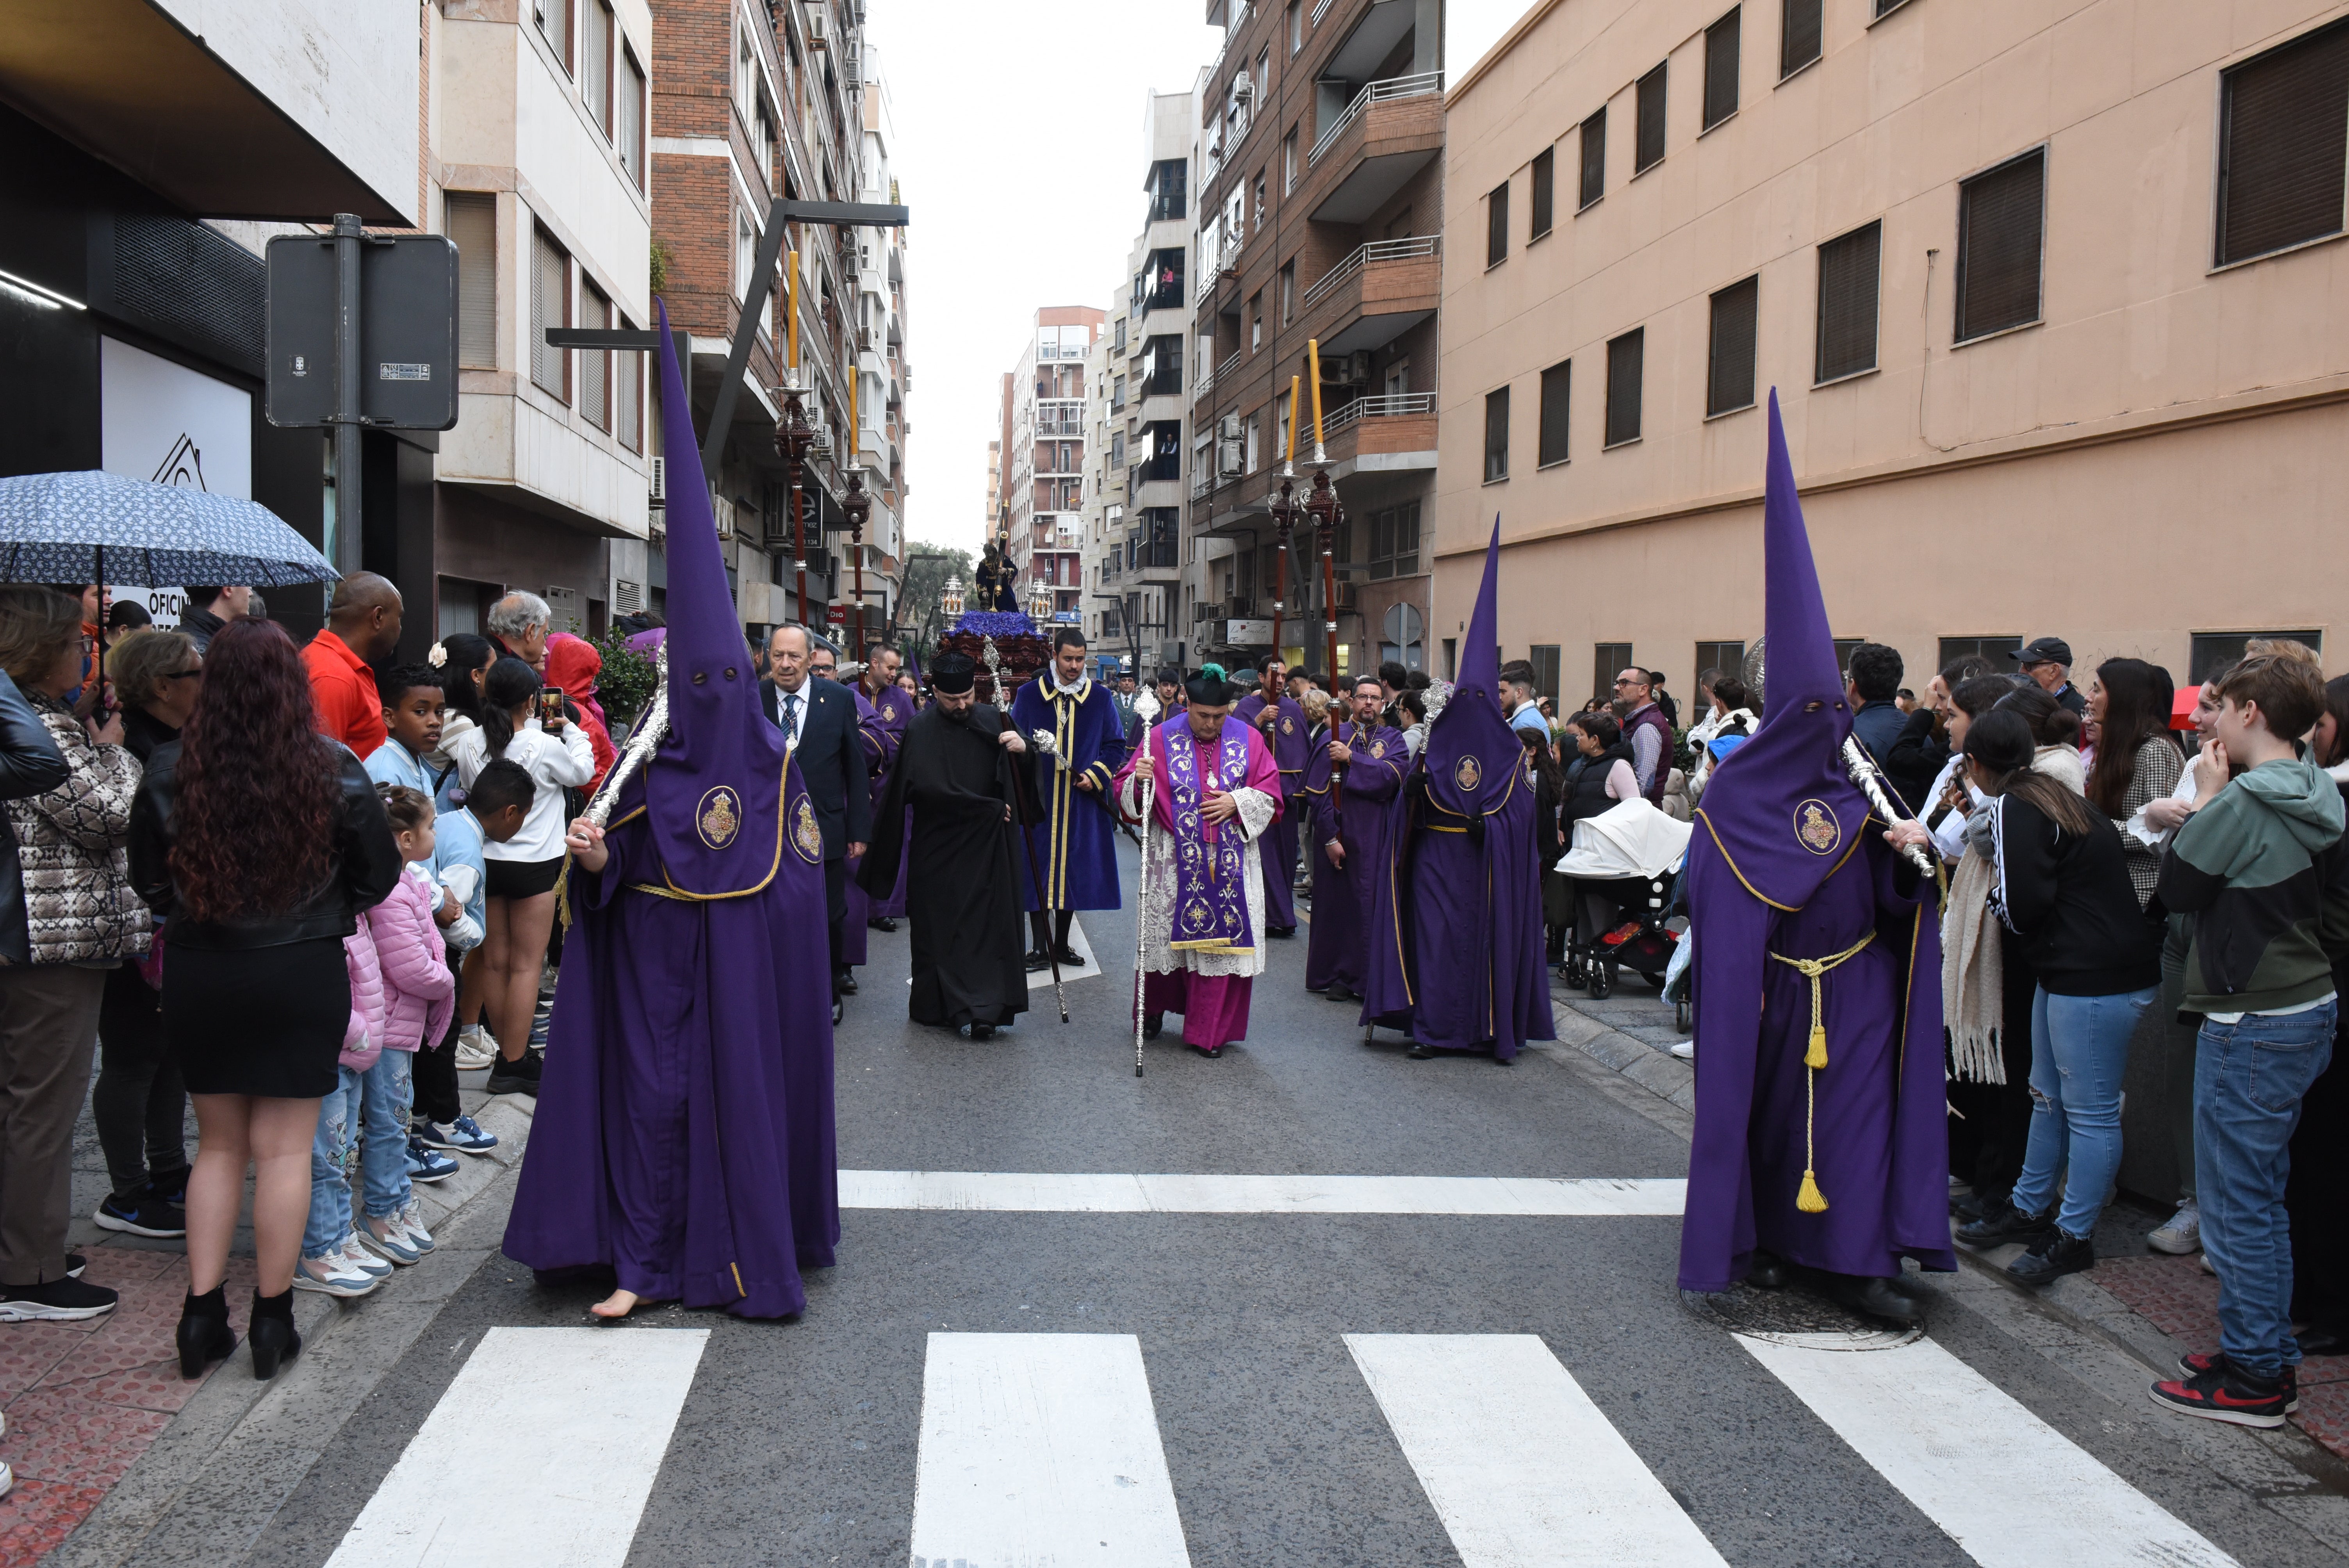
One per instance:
(2258,865)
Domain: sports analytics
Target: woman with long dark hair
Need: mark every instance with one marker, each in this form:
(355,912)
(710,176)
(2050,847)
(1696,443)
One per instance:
(2137,762)
(261,841)
(463,660)
(2061,886)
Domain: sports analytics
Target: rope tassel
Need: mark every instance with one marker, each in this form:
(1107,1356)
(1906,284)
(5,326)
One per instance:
(1808,1198)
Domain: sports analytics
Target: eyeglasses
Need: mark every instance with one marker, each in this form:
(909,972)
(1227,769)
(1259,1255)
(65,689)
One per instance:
(1625,680)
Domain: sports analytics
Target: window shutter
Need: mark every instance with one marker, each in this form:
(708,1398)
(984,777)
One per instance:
(1557,403)
(2001,218)
(473,228)
(1651,129)
(1496,224)
(1799,30)
(1626,362)
(1848,280)
(1594,158)
(1544,180)
(1496,434)
(1729,384)
(1722,47)
(550,305)
(594,364)
(2284,143)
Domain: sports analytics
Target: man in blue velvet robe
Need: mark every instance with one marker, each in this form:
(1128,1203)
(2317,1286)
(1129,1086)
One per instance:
(1821,1135)
(1456,948)
(1350,780)
(683,1140)
(1275,715)
(1076,840)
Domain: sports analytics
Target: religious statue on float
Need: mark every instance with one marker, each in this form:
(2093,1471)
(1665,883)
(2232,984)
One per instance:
(996,591)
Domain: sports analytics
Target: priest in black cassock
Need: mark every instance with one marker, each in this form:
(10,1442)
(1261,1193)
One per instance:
(955,775)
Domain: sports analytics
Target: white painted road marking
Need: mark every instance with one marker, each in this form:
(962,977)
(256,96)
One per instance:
(1082,1193)
(542,1453)
(1949,1441)
(1042,979)
(1041,1448)
(1524,1470)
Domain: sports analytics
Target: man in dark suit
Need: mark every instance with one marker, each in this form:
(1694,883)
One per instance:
(821,718)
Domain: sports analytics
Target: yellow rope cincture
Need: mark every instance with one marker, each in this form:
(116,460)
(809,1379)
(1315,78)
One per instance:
(1810,1200)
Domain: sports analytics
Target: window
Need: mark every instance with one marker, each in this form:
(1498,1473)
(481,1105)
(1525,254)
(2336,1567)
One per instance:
(1255,321)
(594,364)
(1264,74)
(746,255)
(550,305)
(1886,7)
(628,396)
(632,116)
(1542,199)
(1166,186)
(1162,367)
(1287,291)
(1626,364)
(2283,142)
(1606,658)
(1496,434)
(2000,651)
(2214,652)
(1729,378)
(554,21)
(1556,401)
(2002,221)
(1650,128)
(595,60)
(1280,430)
(1594,159)
(1260,192)
(472,227)
(1729,658)
(1496,225)
(1543,657)
(1296,25)
(1251,442)
(1288,162)
(1394,543)
(1800,27)
(1847,275)
(1722,45)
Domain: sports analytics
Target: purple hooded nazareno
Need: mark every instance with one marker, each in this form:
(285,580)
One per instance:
(683,1138)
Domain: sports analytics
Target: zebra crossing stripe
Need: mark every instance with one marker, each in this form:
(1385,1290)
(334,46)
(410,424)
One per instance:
(1041,1448)
(542,1451)
(1523,1469)
(1948,1439)
(1082,1192)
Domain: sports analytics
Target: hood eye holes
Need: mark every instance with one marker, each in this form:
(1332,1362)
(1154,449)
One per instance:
(700,676)
(1807,707)
(729,672)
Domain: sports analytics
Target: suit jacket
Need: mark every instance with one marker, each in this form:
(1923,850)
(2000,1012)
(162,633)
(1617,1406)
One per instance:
(831,758)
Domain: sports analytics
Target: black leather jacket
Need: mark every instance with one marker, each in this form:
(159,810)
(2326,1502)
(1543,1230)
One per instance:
(30,764)
(363,869)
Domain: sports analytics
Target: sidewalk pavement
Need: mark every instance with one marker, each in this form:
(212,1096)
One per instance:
(85,1400)
(2154,1306)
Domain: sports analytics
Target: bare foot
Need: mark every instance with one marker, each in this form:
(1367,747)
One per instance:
(617,1305)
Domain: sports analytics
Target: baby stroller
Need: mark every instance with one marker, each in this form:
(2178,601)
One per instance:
(1623,869)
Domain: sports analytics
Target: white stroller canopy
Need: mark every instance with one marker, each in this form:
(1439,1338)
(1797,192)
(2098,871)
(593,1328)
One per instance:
(1632,839)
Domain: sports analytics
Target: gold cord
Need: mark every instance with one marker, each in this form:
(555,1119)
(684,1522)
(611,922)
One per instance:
(1810,1200)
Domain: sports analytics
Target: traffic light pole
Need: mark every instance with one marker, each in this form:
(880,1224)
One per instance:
(347,383)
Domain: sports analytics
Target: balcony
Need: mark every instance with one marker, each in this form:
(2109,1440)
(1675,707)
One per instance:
(1389,132)
(1416,407)
(1227,262)
(1378,292)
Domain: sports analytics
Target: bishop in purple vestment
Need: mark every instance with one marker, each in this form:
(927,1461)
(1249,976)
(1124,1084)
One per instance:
(683,1139)
(1350,780)
(1274,713)
(1821,1137)
(1455,933)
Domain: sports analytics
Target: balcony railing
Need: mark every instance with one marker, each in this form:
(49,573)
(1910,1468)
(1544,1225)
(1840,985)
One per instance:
(1227,258)
(1376,92)
(1363,255)
(1385,406)
(1206,380)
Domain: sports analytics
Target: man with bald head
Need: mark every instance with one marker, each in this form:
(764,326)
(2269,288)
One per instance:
(819,720)
(362,629)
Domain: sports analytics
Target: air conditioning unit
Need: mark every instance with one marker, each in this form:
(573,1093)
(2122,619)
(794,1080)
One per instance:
(660,483)
(1227,460)
(721,509)
(1349,596)
(1227,428)
(816,30)
(1244,89)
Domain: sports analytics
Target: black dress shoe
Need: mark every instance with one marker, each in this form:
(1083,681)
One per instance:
(2003,1222)
(1070,958)
(1876,1298)
(1338,992)
(1766,1273)
(845,985)
(1210,1052)
(881,923)
(204,1336)
(1280,932)
(2317,1341)
(2051,1257)
(982,1031)
(1038,960)
(839,1011)
(1153,1025)
(1420,1053)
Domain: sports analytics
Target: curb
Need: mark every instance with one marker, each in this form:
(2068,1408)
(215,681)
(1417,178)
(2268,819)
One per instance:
(234,1454)
(1579,1028)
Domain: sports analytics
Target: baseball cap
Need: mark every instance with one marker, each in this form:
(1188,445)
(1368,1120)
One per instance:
(2044,651)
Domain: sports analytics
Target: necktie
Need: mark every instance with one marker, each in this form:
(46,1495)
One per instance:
(792,716)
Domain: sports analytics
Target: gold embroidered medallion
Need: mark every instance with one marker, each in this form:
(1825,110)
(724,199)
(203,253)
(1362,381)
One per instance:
(718,818)
(1816,829)
(807,838)
(1470,773)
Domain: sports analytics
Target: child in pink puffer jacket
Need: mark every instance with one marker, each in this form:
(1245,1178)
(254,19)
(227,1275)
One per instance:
(401,995)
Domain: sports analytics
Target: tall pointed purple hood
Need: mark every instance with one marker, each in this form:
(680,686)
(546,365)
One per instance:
(715,790)
(1474,759)
(1781,805)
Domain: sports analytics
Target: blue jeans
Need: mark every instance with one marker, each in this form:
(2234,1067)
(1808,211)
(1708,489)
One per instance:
(2079,1050)
(376,1100)
(2248,1078)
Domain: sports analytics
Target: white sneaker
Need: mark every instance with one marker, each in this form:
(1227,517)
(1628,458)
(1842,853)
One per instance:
(1684,1049)
(358,1254)
(2182,1234)
(330,1275)
(7,1479)
(411,1225)
(475,1049)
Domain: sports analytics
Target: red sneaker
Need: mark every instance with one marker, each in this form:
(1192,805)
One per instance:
(2195,1365)
(2225,1392)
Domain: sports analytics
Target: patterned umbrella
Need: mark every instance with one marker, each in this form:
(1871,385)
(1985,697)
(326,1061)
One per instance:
(96,527)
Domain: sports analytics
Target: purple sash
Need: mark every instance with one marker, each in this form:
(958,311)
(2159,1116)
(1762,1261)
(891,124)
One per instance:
(1211,912)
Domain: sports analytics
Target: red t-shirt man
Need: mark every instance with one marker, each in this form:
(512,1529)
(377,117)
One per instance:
(343,688)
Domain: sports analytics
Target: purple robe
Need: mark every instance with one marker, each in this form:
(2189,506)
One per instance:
(1076,842)
(1843,1167)
(1290,747)
(880,750)
(1337,951)
(896,707)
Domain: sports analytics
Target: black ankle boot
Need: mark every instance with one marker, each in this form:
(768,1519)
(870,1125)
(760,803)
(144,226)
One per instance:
(271,1333)
(204,1335)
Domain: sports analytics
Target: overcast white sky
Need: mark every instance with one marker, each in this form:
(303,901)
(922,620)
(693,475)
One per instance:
(1019,150)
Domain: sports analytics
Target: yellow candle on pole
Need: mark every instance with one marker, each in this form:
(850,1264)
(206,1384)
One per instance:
(791,307)
(855,440)
(1313,359)
(1292,419)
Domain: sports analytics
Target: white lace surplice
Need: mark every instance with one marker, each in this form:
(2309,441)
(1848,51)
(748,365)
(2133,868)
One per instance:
(1157,911)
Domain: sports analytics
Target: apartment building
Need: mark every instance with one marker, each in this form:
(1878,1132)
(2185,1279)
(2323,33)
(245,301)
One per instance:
(885,372)
(2050,296)
(752,102)
(1102,523)
(1321,191)
(1044,471)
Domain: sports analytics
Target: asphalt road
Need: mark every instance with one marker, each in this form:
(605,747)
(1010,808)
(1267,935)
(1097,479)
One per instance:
(802,1442)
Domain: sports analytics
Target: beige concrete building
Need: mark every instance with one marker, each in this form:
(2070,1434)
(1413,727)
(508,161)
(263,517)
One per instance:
(2049,289)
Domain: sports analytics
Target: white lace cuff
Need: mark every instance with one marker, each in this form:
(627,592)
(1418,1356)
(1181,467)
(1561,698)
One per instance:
(1256,808)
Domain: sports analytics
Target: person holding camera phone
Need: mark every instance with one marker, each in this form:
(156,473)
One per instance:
(523,722)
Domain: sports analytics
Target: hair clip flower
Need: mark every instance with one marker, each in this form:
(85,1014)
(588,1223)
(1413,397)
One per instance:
(438,657)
